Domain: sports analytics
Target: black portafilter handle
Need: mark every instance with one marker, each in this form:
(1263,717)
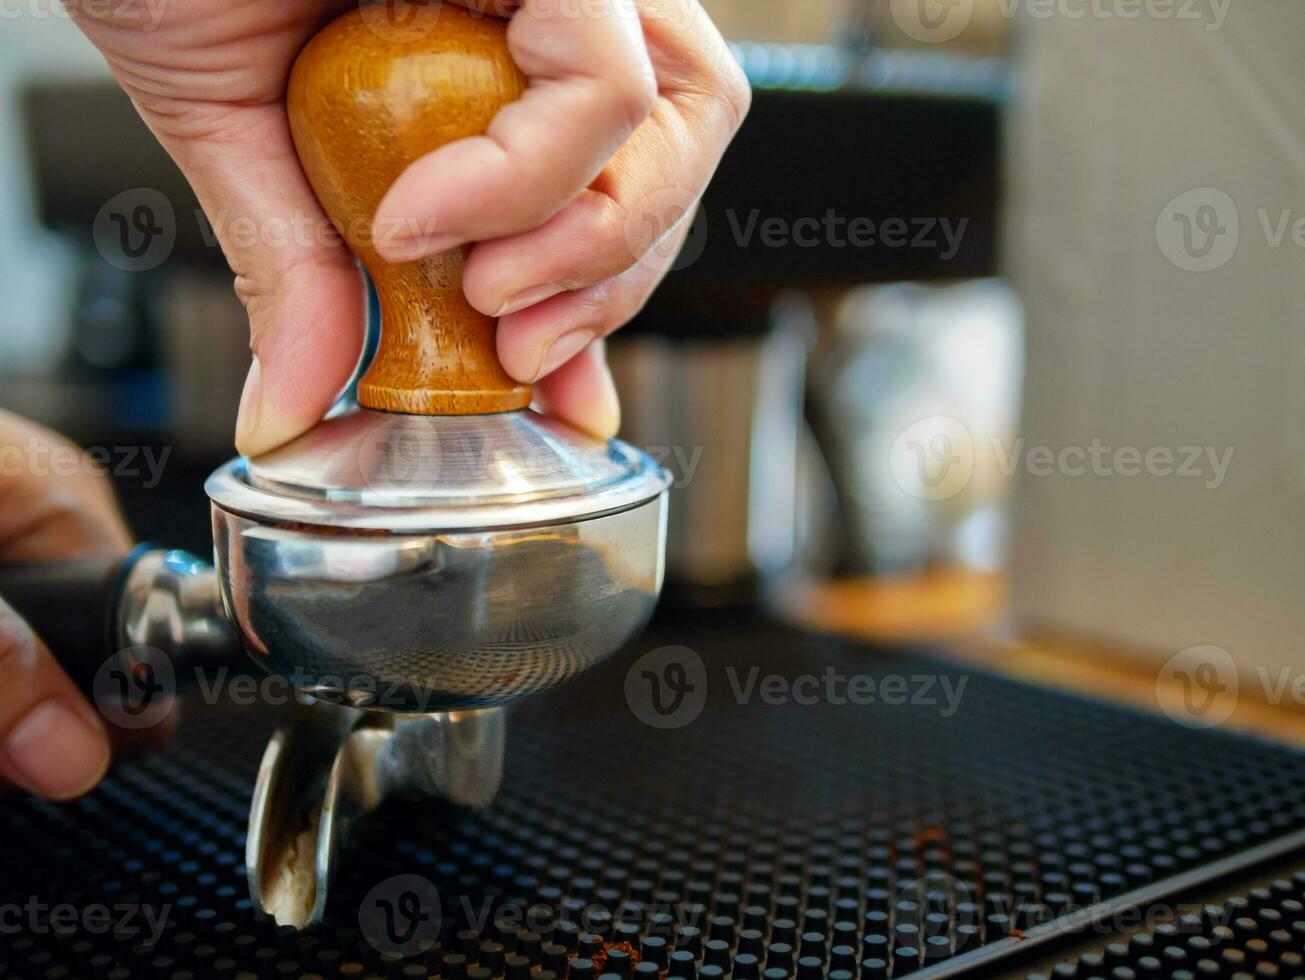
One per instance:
(103,616)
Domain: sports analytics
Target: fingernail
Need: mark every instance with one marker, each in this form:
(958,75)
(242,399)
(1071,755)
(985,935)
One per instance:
(528,297)
(561,350)
(56,753)
(251,405)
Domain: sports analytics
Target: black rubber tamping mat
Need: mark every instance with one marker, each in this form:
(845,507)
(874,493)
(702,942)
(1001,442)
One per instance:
(1259,934)
(728,798)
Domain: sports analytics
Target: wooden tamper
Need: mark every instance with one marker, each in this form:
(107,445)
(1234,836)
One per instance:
(363,105)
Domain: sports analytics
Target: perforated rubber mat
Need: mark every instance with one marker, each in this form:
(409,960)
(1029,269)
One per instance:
(754,802)
(1259,934)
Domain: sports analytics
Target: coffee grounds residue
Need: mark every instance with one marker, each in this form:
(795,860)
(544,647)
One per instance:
(600,958)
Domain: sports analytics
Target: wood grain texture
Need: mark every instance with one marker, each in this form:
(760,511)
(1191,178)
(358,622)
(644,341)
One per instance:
(364,102)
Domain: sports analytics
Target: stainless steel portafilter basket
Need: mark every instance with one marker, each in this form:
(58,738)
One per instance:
(420,564)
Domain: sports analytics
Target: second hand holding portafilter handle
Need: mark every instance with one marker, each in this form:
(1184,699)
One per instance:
(363,105)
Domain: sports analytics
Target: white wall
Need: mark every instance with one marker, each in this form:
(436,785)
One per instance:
(1123,126)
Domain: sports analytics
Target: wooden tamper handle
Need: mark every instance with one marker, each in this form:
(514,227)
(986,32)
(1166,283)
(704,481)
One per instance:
(366,98)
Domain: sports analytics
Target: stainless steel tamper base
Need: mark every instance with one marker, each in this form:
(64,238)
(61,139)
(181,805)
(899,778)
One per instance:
(420,564)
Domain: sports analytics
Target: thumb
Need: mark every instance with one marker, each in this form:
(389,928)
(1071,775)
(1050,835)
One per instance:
(52,743)
(299,284)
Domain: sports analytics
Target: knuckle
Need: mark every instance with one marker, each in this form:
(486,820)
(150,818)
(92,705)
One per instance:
(256,290)
(597,311)
(262,282)
(256,285)
(733,90)
(63,505)
(606,237)
(634,96)
(617,307)
(600,243)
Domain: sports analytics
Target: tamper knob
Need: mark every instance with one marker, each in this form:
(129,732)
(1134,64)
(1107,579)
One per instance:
(366,99)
